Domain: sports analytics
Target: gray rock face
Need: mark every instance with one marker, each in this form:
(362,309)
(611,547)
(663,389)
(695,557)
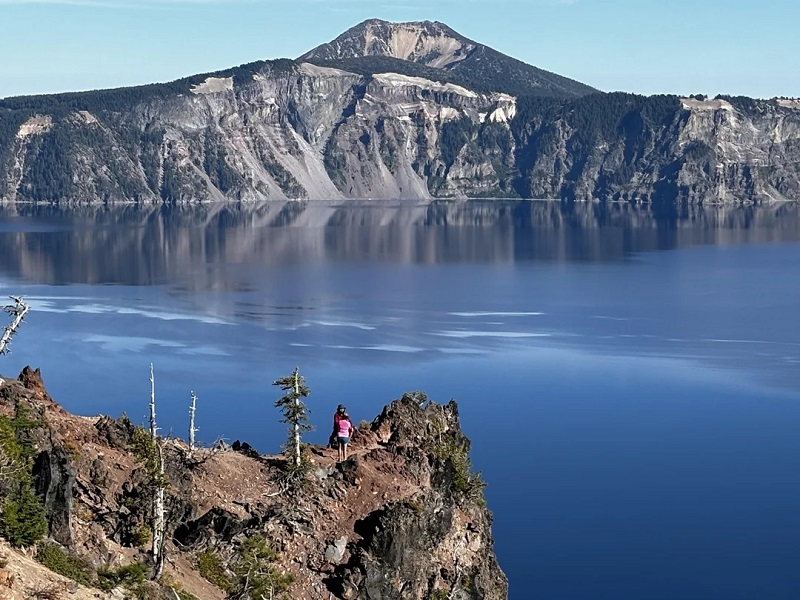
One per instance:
(285,130)
(667,150)
(55,478)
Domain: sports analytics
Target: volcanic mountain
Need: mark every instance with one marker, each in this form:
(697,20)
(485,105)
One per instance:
(437,46)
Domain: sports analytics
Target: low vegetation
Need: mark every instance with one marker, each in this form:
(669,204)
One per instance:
(257,573)
(131,577)
(465,483)
(210,566)
(252,574)
(453,449)
(58,560)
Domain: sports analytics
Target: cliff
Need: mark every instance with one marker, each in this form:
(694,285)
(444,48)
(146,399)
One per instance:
(409,110)
(663,149)
(402,518)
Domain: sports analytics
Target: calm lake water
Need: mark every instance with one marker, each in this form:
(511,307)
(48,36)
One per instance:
(630,381)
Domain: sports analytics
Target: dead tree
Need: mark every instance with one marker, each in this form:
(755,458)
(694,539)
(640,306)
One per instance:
(18,310)
(159,521)
(192,428)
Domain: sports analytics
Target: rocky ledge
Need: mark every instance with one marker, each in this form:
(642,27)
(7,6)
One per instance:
(403,517)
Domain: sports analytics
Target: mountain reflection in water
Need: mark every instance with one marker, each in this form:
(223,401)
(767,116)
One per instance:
(145,245)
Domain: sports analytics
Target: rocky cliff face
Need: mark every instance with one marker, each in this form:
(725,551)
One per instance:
(665,150)
(402,518)
(394,111)
(304,132)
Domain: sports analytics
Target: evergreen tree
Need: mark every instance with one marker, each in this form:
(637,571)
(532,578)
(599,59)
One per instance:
(23,519)
(294,412)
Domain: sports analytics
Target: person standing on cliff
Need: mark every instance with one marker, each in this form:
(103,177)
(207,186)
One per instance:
(343,427)
(340,411)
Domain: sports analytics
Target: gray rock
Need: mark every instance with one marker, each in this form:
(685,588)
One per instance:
(322,473)
(335,552)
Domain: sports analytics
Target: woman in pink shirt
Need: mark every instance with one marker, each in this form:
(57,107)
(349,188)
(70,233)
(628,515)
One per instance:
(345,428)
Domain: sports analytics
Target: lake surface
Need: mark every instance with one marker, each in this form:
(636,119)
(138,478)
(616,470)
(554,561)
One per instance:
(630,381)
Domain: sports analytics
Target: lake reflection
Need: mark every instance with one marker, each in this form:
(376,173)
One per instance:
(629,380)
(157,245)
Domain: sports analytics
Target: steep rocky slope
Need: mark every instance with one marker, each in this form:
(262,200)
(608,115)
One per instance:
(663,149)
(402,518)
(394,111)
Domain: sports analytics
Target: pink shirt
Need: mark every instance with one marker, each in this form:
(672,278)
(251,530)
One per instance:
(344,428)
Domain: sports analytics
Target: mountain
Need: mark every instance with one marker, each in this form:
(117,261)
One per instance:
(437,46)
(403,517)
(386,111)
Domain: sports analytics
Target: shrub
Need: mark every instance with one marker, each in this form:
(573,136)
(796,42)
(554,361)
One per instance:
(255,572)
(59,561)
(465,483)
(210,567)
(258,575)
(130,576)
(140,536)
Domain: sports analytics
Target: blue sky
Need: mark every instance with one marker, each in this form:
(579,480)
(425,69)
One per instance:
(644,46)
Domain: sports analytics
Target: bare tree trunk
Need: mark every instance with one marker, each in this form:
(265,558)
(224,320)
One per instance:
(153,428)
(192,428)
(296,424)
(159,521)
(158,498)
(17,311)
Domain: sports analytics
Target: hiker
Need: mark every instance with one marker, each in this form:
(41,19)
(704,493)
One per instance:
(340,412)
(333,441)
(343,427)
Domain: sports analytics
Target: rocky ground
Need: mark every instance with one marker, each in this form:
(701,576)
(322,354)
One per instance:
(401,518)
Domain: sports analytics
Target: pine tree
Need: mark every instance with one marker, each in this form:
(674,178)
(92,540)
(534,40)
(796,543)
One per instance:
(294,412)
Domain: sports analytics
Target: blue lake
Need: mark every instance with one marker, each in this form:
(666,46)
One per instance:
(630,381)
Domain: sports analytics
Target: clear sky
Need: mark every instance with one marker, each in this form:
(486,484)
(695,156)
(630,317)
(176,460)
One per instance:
(746,47)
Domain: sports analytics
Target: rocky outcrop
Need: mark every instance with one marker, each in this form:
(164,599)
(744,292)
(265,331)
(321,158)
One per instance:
(446,521)
(404,517)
